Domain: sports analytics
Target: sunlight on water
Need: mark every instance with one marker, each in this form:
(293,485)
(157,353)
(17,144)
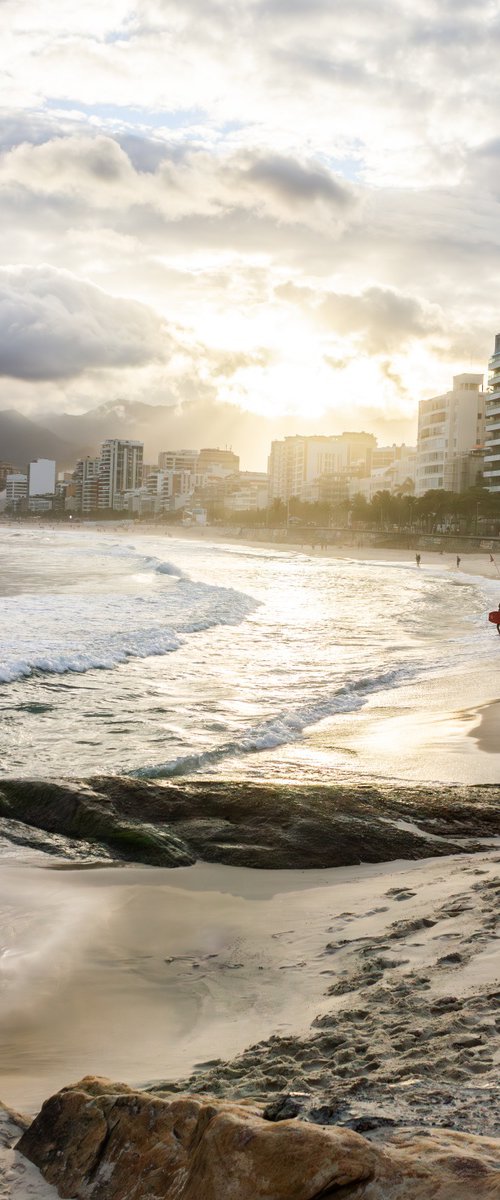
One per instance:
(160,656)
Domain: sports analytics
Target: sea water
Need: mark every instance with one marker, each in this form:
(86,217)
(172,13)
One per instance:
(161,656)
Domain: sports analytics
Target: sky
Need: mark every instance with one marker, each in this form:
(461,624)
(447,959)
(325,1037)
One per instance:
(287,206)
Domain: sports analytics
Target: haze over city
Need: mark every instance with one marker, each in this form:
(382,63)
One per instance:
(270,209)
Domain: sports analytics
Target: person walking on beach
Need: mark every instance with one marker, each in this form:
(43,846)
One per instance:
(458,560)
(417,559)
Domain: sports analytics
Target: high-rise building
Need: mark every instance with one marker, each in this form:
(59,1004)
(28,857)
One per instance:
(449,427)
(492,434)
(120,471)
(86,480)
(297,462)
(42,477)
(16,488)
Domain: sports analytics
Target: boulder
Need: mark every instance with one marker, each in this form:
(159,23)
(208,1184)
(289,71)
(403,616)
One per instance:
(105,1140)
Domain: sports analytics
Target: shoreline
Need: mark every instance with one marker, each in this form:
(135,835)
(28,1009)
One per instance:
(473,561)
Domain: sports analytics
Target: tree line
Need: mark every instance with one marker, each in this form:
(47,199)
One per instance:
(437,511)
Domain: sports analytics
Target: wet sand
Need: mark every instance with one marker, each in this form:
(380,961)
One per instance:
(487,731)
(146,974)
(445,729)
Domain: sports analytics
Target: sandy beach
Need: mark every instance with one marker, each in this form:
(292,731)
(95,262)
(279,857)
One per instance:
(366,997)
(140,986)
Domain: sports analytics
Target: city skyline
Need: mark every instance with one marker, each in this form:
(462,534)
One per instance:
(260,207)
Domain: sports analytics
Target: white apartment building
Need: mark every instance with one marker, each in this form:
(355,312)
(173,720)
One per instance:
(295,463)
(42,477)
(449,427)
(171,489)
(492,434)
(162,491)
(16,490)
(120,471)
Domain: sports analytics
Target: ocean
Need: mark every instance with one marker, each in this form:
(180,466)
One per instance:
(161,656)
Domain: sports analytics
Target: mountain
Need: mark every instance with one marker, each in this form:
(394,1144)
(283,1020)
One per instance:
(22,440)
(193,425)
(67,437)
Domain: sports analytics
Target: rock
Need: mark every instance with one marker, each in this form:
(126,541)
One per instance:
(174,823)
(104,1140)
(285,1107)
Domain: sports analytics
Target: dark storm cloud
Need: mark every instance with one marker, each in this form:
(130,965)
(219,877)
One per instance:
(54,326)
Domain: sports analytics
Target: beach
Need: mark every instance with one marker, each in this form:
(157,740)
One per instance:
(360,997)
(249,845)
(138,985)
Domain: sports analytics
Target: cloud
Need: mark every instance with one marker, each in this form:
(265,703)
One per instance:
(297,183)
(288,204)
(382,318)
(54,326)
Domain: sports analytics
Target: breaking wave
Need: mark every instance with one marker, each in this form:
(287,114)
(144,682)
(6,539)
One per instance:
(284,727)
(57,635)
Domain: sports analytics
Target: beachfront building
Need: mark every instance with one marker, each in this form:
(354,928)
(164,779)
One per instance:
(120,471)
(295,463)
(393,470)
(450,427)
(361,447)
(16,491)
(492,434)
(170,488)
(42,477)
(178,460)
(86,484)
(6,468)
(247,491)
(161,492)
(215,464)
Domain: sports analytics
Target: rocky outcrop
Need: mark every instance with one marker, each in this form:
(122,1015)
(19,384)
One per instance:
(104,1140)
(254,825)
